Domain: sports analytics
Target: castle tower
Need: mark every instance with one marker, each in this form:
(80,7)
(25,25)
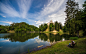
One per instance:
(50,22)
(47,30)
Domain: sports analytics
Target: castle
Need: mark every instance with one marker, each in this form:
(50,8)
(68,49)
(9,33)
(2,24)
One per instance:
(50,22)
(47,30)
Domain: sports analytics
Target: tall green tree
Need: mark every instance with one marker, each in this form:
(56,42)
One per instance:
(45,26)
(71,11)
(51,27)
(56,26)
(60,25)
(84,18)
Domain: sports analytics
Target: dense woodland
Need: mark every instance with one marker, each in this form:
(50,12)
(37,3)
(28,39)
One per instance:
(57,26)
(18,27)
(24,27)
(75,18)
(75,21)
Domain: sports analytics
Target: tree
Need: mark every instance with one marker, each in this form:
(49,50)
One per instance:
(84,18)
(45,26)
(71,11)
(51,27)
(78,22)
(56,26)
(60,25)
(64,29)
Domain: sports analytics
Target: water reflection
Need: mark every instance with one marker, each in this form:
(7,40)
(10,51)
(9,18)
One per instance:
(5,40)
(63,39)
(25,41)
(22,37)
(50,37)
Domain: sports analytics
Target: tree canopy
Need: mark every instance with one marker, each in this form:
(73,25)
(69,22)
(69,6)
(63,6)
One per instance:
(18,27)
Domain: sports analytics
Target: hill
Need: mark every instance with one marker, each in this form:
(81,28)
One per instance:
(18,27)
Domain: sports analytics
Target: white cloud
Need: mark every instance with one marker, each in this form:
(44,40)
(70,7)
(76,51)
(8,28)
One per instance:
(38,40)
(52,11)
(39,22)
(24,6)
(52,6)
(4,16)
(6,22)
(5,40)
(8,10)
(80,2)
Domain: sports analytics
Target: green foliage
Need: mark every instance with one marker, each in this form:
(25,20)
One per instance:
(43,27)
(73,38)
(56,26)
(84,18)
(81,32)
(60,25)
(60,32)
(65,29)
(71,11)
(28,50)
(18,27)
(51,27)
(3,29)
(76,18)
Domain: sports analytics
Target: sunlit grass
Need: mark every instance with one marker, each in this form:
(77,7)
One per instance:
(62,48)
(11,31)
(81,32)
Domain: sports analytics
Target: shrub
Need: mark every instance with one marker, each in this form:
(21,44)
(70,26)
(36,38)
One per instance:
(73,38)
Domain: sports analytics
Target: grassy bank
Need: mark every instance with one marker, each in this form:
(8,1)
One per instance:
(11,31)
(61,48)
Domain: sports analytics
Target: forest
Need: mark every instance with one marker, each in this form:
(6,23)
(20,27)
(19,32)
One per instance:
(18,27)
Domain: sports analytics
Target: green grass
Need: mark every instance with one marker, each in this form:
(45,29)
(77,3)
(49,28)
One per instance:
(81,32)
(73,38)
(47,32)
(61,48)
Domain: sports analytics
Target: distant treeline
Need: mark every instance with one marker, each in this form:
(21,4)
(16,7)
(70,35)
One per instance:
(52,26)
(18,27)
(24,27)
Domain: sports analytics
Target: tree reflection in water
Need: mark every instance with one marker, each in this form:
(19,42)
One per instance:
(22,37)
(53,38)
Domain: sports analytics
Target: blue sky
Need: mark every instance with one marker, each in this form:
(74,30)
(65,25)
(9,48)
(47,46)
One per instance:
(33,12)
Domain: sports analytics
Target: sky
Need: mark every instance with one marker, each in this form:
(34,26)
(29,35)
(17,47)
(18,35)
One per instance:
(33,12)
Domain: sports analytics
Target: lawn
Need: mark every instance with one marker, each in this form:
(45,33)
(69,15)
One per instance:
(62,48)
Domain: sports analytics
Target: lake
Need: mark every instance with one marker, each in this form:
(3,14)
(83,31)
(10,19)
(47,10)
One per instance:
(14,43)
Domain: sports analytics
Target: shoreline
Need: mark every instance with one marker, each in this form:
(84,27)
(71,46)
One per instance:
(41,48)
(60,47)
(48,46)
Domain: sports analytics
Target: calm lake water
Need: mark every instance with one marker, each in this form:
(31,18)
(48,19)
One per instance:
(22,42)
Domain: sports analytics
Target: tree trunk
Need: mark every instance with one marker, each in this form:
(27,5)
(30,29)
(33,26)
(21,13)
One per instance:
(78,33)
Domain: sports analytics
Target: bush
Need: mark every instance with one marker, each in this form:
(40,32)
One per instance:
(73,38)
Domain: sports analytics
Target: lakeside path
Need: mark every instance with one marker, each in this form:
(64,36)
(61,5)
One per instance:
(62,48)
